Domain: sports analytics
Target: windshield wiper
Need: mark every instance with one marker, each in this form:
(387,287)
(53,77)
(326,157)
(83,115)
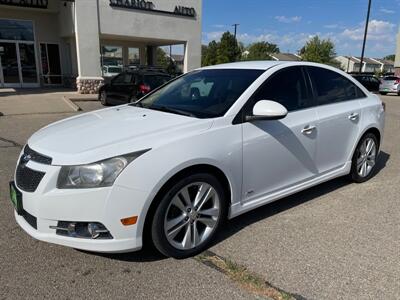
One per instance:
(172,110)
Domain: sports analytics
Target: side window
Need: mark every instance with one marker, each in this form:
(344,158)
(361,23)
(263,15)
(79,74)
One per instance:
(287,87)
(332,87)
(128,78)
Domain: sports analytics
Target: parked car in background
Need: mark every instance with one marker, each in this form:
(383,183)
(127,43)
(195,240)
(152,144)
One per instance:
(370,82)
(110,71)
(390,84)
(212,144)
(131,85)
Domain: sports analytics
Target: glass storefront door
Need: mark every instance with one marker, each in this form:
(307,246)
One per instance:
(18,66)
(9,64)
(27,63)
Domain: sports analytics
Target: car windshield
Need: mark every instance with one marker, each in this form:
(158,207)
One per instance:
(202,93)
(114,70)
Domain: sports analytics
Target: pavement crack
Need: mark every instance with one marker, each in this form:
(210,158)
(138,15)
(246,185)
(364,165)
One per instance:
(11,142)
(247,280)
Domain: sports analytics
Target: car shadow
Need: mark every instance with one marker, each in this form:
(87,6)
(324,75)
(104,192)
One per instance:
(149,253)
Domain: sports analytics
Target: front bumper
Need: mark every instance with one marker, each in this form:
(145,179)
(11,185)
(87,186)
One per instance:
(107,206)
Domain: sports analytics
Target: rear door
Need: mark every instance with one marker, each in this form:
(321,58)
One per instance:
(339,113)
(125,87)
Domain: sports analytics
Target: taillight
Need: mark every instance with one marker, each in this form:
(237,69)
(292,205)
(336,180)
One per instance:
(144,88)
(397,81)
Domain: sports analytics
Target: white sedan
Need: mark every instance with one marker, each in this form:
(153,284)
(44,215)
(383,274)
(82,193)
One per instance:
(207,146)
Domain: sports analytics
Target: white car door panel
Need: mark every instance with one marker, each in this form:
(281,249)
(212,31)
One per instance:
(339,114)
(338,127)
(278,154)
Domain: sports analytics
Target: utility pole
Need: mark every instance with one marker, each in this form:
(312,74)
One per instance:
(365,35)
(236,26)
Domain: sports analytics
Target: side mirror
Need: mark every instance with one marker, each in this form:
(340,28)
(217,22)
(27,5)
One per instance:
(267,110)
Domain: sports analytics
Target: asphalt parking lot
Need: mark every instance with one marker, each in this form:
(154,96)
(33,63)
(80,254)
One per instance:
(335,241)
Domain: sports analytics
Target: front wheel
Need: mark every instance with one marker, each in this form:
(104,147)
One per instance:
(103,98)
(364,158)
(189,215)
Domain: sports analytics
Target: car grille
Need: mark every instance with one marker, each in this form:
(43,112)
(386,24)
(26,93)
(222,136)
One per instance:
(36,157)
(27,179)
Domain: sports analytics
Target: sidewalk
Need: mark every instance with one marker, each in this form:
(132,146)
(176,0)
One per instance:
(39,101)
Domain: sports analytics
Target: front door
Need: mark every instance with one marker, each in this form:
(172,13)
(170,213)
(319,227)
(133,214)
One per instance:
(9,67)
(278,154)
(18,65)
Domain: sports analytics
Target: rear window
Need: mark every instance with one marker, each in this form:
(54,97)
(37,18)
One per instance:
(154,81)
(390,78)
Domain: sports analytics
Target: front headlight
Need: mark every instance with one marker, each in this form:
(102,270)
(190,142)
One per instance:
(99,174)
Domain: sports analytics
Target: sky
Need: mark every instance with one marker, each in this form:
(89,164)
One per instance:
(290,23)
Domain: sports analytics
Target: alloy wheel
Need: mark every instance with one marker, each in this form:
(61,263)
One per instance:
(192,215)
(366,157)
(103,97)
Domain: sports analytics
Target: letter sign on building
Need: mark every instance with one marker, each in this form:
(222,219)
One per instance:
(149,6)
(26,3)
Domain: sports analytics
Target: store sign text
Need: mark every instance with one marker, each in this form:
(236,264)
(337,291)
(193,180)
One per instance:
(149,6)
(26,3)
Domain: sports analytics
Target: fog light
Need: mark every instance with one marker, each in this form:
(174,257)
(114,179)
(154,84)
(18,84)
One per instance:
(95,230)
(86,230)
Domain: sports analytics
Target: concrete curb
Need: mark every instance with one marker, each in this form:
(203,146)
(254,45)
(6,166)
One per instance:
(71,104)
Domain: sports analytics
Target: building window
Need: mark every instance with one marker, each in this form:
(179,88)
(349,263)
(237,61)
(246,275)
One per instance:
(133,56)
(111,56)
(16,30)
(51,66)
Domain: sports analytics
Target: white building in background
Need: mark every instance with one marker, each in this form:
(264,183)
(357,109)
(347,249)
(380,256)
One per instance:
(55,42)
(351,64)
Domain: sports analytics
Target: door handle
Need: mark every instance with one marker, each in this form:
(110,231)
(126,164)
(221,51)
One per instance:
(308,129)
(353,116)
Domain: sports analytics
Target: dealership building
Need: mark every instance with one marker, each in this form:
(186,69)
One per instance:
(56,42)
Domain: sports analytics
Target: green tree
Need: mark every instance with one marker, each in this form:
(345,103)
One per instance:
(261,51)
(228,50)
(162,59)
(320,51)
(209,54)
(391,57)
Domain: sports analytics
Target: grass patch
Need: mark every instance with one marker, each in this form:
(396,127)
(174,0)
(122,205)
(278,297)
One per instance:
(247,280)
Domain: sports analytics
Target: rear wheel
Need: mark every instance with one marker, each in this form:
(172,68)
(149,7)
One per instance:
(364,158)
(189,215)
(103,98)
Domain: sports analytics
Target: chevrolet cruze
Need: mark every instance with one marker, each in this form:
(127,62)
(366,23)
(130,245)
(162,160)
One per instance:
(207,146)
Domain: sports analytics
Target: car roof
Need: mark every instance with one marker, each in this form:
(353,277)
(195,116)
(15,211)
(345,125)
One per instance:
(256,65)
(265,65)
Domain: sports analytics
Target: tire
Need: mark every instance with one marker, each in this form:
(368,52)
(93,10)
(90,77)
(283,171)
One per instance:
(173,228)
(103,98)
(383,93)
(364,160)
(132,99)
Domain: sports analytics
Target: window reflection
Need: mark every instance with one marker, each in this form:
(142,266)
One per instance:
(16,30)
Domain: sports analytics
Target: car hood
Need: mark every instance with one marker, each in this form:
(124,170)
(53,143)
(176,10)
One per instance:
(106,133)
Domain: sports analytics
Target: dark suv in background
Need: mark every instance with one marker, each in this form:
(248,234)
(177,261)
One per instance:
(131,85)
(368,81)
